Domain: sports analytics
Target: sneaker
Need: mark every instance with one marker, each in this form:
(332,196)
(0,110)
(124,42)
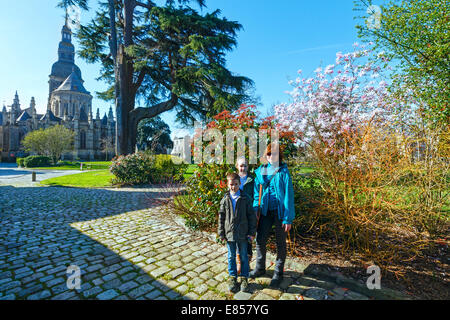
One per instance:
(233,285)
(276,280)
(244,285)
(257,273)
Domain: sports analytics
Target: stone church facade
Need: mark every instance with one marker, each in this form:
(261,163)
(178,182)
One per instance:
(69,104)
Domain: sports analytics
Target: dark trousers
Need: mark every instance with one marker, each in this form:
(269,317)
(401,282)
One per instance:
(263,232)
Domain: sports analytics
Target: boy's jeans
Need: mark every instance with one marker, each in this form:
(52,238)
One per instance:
(232,268)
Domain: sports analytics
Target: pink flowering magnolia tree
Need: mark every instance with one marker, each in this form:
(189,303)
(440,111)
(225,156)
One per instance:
(342,117)
(339,98)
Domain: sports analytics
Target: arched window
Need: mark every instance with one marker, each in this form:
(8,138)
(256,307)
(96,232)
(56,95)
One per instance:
(82,139)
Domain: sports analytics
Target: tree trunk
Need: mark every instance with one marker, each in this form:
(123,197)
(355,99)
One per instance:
(127,118)
(127,92)
(138,114)
(124,103)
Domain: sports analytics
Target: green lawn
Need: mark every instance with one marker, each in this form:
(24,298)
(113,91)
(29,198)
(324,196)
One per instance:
(189,171)
(88,165)
(89,179)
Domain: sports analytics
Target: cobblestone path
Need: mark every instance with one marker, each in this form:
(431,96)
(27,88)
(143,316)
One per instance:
(126,250)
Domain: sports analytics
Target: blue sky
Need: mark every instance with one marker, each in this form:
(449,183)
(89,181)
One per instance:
(278,38)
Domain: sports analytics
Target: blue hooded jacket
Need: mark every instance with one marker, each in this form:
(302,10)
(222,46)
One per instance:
(284,190)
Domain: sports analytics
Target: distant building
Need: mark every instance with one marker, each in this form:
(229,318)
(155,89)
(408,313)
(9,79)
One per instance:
(182,148)
(69,104)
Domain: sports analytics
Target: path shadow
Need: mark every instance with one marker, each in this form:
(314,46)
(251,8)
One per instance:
(8,172)
(38,243)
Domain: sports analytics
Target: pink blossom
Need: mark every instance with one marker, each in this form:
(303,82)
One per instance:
(334,103)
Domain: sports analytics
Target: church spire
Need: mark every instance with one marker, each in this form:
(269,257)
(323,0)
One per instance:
(66,50)
(16,104)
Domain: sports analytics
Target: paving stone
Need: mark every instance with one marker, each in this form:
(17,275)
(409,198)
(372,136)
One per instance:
(191,296)
(25,292)
(124,270)
(201,268)
(154,294)
(91,276)
(221,277)
(316,293)
(206,275)
(297,289)
(110,269)
(351,295)
(112,284)
(94,268)
(109,277)
(23,275)
(183,289)
(211,283)
(92,292)
(5,280)
(21,270)
(211,296)
(272,292)
(177,272)
(159,272)
(68,295)
(127,286)
(201,289)
(98,281)
(139,291)
(108,295)
(129,276)
(242,296)
(54,282)
(9,285)
(262,296)
(172,295)
(39,295)
(287,296)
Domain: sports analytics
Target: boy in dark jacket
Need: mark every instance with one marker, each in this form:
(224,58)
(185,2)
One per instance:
(237,224)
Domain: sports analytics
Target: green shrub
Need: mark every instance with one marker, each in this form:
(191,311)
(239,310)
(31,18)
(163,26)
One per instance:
(36,161)
(167,169)
(19,162)
(67,163)
(144,168)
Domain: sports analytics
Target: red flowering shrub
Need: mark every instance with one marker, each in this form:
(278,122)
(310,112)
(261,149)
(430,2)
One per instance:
(207,186)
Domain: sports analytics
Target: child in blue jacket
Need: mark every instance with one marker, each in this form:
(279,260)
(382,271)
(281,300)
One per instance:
(277,208)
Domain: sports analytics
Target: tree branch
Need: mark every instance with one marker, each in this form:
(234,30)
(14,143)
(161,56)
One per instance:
(112,25)
(139,80)
(149,5)
(140,113)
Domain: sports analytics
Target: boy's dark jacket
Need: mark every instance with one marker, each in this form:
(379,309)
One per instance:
(237,226)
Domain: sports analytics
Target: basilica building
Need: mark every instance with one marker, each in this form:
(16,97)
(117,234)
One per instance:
(69,104)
